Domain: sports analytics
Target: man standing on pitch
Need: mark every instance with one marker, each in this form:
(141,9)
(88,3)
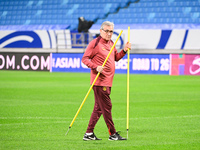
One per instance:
(94,58)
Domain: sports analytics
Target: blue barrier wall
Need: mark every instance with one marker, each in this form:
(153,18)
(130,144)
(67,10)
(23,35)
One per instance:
(139,63)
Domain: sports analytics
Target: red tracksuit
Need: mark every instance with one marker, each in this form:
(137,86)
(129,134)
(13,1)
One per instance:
(94,56)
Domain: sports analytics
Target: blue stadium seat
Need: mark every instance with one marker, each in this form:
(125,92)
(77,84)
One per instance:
(118,11)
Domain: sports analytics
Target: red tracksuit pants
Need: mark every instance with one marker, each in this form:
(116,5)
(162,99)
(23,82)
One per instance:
(103,106)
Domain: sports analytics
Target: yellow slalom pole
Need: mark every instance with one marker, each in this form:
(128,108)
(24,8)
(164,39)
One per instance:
(93,83)
(128,66)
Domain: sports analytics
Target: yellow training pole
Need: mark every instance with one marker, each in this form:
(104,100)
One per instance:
(128,59)
(93,83)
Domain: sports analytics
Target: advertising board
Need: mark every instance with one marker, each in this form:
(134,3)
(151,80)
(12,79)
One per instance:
(139,63)
(25,61)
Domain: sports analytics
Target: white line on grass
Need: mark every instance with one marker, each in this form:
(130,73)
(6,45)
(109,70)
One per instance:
(45,118)
(63,118)
(21,124)
(169,117)
(82,119)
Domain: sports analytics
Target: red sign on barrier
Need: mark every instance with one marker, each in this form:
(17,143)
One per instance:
(177,64)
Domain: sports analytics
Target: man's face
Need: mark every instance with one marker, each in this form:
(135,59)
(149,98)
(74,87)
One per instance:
(106,32)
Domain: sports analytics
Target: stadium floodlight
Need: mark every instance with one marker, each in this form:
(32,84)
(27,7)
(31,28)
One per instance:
(93,83)
(128,72)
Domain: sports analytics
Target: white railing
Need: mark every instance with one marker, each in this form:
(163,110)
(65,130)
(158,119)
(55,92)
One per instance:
(67,40)
(73,40)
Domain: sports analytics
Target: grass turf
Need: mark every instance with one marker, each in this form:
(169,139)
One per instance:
(36,109)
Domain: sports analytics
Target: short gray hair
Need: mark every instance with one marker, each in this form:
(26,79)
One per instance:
(106,23)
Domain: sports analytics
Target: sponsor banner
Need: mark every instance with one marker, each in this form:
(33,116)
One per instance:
(177,64)
(139,64)
(35,39)
(141,38)
(145,64)
(192,65)
(159,38)
(185,64)
(173,64)
(68,62)
(25,61)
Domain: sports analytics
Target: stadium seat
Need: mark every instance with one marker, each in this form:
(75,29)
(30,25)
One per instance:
(119,11)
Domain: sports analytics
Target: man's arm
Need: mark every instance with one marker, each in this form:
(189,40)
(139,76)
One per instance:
(88,55)
(122,53)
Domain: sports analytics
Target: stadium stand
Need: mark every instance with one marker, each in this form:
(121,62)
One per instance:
(158,12)
(67,12)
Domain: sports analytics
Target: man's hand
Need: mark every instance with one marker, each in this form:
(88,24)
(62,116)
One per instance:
(127,46)
(100,69)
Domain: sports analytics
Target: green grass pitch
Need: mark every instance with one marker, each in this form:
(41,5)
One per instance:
(36,109)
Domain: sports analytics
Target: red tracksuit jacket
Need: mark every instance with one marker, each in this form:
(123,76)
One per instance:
(95,55)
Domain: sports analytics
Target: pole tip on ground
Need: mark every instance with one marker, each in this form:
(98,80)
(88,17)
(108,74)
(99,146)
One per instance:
(127,134)
(67,131)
